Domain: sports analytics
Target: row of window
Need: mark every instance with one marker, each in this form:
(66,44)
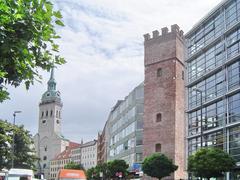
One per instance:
(138,93)
(45,114)
(88,149)
(214,56)
(215,27)
(123,133)
(215,85)
(215,115)
(89,163)
(207,61)
(207,33)
(219,139)
(122,147)
(59,162)
(124,119)
(88,156)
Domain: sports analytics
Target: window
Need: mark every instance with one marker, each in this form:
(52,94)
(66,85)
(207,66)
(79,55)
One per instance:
(44,157)
(44,165)
(46,113)
(43,121)
(58,122)
(159,117)
(45,148)
(158,147)
(182,75)
(51,113)
(42,113)
(159,72)
(139,157)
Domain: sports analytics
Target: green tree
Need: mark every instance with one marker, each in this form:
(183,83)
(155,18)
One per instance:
(158,165)
(24,153)
(73,165)
(5,140)
(104,169)
(117,166)
(91,173)
(210,162)
(27,36)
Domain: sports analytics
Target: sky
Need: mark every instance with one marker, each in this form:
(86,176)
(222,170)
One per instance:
(102,42)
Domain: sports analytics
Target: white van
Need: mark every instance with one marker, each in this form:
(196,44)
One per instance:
(20,174)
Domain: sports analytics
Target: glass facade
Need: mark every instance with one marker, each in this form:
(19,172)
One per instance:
(213,83)
(126,128)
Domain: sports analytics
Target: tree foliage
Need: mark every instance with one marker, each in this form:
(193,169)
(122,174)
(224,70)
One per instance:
(158,165)
(108,170)
(27,36)
(210,162)
(24,153)
(73,165)
(116,166)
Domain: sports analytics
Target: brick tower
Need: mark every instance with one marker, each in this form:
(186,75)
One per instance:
(164,127)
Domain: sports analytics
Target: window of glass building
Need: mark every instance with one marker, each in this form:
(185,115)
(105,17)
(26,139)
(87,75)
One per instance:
(139,140)
(234,75)
(234,108)
(215,139)
(139,157)
(234,142)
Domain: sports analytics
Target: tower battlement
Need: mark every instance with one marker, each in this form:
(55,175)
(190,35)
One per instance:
(165,34)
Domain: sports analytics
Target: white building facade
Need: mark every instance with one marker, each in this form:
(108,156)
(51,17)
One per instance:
(89,154)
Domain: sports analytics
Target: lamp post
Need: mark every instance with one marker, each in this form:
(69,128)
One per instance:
(201,121)
(13,143)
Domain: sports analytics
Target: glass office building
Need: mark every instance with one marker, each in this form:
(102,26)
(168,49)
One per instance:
(125,129)
(213,83)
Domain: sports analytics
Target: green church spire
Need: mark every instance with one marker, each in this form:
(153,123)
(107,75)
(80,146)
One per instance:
(51,95)
(51,82)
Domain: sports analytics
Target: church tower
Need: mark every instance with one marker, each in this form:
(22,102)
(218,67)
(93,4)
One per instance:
(50,109)
(49,141)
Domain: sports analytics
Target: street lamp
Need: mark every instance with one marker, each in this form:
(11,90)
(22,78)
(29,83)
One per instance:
(201,121)
(13,143)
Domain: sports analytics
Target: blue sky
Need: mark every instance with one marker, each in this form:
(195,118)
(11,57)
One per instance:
(102,42)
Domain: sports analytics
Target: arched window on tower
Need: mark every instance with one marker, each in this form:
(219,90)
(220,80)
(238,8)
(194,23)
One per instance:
(158,147)
(42,113)
(57,113)
(46,113)
(159,72)
(51,113)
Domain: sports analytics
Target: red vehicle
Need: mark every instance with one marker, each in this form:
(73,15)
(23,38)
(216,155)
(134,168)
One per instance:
(71,174)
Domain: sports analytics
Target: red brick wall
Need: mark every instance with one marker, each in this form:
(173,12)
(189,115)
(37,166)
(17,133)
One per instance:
(165,95)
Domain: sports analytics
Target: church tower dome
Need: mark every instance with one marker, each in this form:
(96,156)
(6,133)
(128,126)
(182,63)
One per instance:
(51,95)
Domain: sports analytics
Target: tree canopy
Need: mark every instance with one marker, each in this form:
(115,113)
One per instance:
(117,166)
(73,165)
(158,165)
(109,170)
(24,153)
(210,162)
(27,41)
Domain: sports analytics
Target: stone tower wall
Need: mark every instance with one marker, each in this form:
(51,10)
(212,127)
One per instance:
(165,94)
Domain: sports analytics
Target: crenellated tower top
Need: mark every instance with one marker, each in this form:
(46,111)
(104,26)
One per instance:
(165,34)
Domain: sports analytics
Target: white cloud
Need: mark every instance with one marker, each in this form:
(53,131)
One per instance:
(103,45)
